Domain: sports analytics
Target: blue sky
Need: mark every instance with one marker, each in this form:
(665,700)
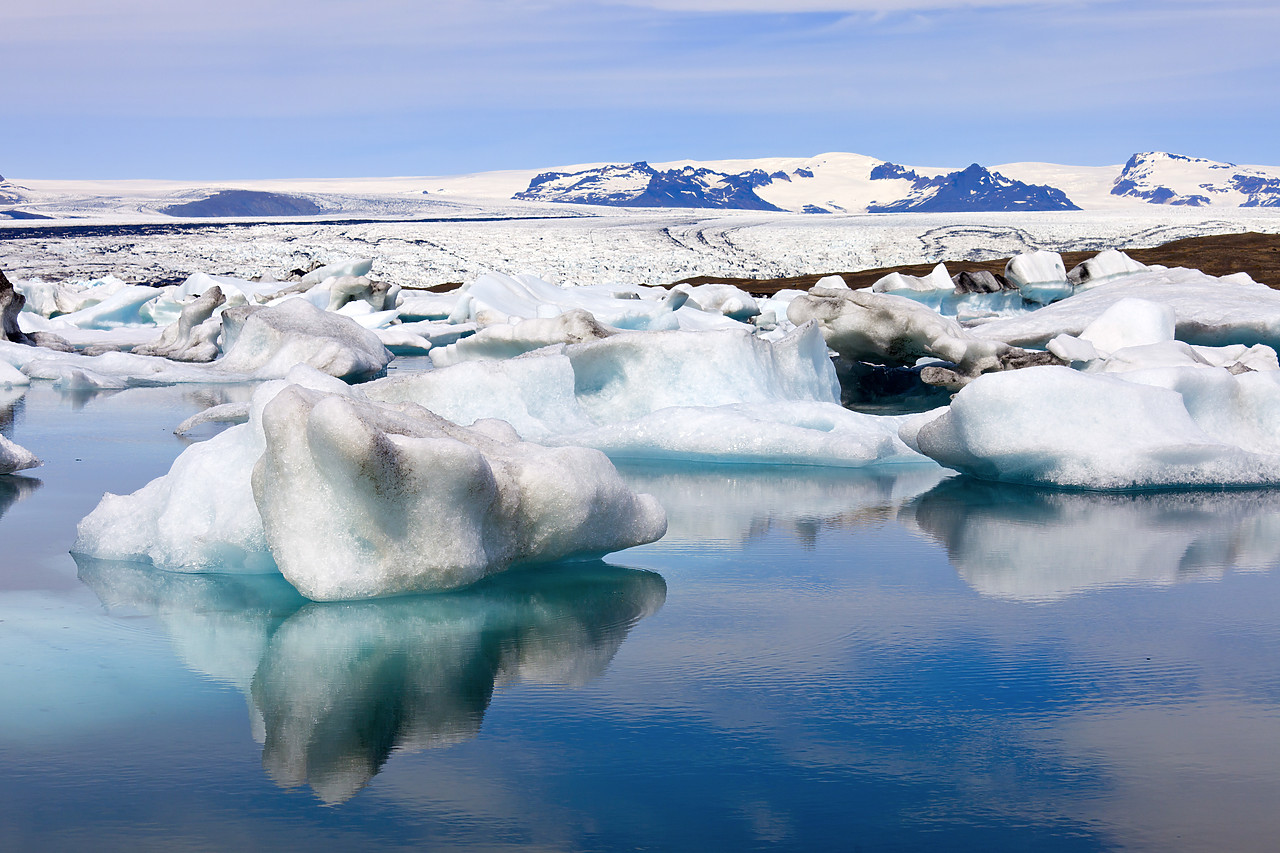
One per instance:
(285,88)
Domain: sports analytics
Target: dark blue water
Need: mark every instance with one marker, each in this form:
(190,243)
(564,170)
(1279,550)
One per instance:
(811,660)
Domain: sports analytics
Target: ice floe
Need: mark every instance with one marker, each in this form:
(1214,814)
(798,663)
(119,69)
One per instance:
(1198,427)
(14,457)
(351,498)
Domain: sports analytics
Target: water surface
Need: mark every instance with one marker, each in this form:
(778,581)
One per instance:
(810,660)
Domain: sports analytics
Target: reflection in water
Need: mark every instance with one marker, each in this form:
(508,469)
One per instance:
(728,503)
(10,398)
(334,687)
(1032,544)
(13,488)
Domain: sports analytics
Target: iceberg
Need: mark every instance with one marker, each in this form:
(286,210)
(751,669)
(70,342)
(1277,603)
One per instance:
(1039,276)
(1180,427)
(1209,311)
(361,500)
(507,340)
(267,342)
(882,328)
(720,396)
(350,498)
(15,457)
(194,335)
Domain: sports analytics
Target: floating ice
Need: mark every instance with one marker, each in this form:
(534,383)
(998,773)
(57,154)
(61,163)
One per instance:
(1103,267)
(355,499)
(194,336)
(494,298)
(782,433)
(1040,276)
(1130,322)
(267,342)
(722,396)
(726,299)
(882,328)
(358,267)
(12,377)
(1209,311)
(201,515)
(930,289)
(1157,428)
(15,457)
(503,340)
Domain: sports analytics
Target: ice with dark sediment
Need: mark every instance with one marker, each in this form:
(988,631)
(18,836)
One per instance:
(352,498)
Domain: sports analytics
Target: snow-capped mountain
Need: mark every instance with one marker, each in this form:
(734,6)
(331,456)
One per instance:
(641,185)
(974,188)
(1161,178)
(838,183)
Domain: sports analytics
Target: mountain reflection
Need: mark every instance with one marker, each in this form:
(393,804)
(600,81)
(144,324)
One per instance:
(335,687)
(1030,544)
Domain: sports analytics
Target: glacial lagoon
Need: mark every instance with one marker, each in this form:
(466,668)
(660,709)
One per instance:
(889,658)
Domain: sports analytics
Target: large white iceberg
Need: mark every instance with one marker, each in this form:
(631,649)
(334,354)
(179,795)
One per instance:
(882,328)
(1181,427)
(360,500)
(356,499)
(723,396)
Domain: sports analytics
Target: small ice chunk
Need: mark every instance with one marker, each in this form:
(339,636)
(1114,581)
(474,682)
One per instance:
(1040,276)
(268,341)
(352,268)
(937,281)
(227,413)
(194,337)
(1131,322)
(1072,349)
(15,457)
(12,377)
(510,340)
(1103,267)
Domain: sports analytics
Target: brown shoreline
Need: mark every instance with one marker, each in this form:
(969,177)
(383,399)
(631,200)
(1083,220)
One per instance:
(1218,254)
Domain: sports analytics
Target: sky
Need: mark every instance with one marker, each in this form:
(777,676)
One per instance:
(321,88)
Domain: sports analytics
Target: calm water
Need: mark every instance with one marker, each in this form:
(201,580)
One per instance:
(810,660)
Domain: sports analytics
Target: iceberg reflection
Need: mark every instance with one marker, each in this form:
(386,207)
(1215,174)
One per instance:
(1029,544)
(15,487)
(335,687)
(736,504)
